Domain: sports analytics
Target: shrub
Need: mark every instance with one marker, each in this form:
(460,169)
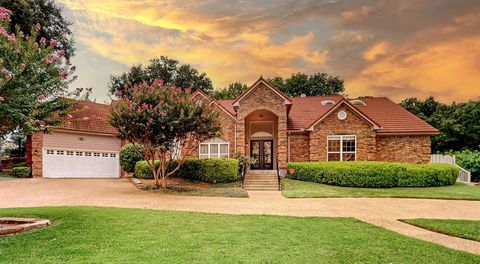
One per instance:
(21,172)
(206,170)
(130,154)
(20,164)
(371,174)
(469,160)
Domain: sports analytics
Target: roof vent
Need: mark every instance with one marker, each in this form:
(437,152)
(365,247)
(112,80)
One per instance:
(303,95)
(328,102)
(358,102)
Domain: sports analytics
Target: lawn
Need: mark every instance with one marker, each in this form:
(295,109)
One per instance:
(5,175)
(301,189)
(115,235)
(469,229)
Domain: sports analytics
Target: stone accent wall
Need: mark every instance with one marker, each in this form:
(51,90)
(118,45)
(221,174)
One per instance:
(352,125)
(299,147)
(37,145)
(412,149)
(263,98)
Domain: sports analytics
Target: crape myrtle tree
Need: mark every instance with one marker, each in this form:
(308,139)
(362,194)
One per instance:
(34,78)
(166,122)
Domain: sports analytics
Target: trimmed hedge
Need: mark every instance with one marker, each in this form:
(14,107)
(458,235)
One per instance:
(372,174)
(130,154)
(206,170)
(21,172)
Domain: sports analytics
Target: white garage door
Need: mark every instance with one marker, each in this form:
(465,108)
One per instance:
(67,163)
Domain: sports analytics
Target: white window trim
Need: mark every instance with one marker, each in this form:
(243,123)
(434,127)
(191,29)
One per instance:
(219,154)
(341,152)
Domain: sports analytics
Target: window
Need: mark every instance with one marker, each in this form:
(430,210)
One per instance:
(70,153)
(59,152)
(79,153)
(342,148)
(88,154)
(50,152)
(113,155)
(96,154)
(214,148)
(105,155)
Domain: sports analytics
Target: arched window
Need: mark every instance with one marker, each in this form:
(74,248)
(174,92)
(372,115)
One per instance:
(214,148)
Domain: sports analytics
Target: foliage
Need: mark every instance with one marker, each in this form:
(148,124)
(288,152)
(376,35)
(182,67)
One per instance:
(469,160)
(310,85)
(232,91)
(371,174)
(165,121)
(33,79)
(46,13)
(206,170)
(130,154)
(458,122)
(20,164)
(303,189)
(21,172)
(169,70)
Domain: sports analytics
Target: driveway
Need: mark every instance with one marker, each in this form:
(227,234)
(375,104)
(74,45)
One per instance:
(382,212)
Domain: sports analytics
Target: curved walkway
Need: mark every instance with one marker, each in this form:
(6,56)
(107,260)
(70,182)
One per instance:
(382,212)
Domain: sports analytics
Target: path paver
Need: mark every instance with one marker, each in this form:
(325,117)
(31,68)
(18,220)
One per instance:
(382,212)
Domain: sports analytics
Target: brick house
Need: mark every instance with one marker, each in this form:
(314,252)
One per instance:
(262,123)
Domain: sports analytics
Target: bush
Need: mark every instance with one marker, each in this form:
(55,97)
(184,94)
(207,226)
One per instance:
(371,174)
(469,160)
(21,172)
(20,164)
(130,154)
(206,170)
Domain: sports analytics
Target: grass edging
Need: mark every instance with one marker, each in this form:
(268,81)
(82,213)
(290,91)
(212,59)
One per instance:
(407,221)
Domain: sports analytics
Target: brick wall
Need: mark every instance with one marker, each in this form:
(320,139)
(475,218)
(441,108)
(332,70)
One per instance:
(263,98)
(352,125)
(37,145)
(299,147)
(412,149)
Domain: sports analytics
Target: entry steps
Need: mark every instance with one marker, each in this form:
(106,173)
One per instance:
(261,180)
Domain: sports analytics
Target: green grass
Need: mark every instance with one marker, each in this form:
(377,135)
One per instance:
(469,229)
(115,235)
(233,189)
(301,189)
(5,175)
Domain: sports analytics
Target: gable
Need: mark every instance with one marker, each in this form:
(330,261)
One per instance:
(258,89)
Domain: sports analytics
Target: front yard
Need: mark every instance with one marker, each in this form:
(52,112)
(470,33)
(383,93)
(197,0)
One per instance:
(115,235)
(469,229)
(302,189)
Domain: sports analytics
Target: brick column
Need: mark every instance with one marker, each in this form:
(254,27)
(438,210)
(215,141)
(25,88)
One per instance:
(282,142)
(241,136)
(36,152)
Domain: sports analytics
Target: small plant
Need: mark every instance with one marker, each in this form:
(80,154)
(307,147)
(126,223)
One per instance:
(130,154)
(21,172)
(20,164)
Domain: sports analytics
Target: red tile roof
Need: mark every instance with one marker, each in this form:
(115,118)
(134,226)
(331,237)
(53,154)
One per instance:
(89,117)
(228,105)
(306,110)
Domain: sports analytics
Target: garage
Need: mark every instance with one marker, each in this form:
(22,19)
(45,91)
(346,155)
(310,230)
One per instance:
(77,155)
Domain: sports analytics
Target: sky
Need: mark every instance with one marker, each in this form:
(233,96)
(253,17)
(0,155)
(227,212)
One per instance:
(394,48)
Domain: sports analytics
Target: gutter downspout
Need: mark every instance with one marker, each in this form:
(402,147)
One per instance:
(288,146)
(235,139)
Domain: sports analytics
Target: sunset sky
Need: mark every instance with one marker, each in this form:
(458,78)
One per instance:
(392,48)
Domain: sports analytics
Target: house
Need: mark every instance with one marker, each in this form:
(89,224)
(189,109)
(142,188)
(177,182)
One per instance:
(262,123)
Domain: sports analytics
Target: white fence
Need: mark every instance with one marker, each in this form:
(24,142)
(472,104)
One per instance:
(463,174)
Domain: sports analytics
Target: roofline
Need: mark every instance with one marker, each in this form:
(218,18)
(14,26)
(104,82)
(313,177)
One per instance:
(83,132)
(211,100)
(224,109)
(202,93)
(352,107)
(254,85)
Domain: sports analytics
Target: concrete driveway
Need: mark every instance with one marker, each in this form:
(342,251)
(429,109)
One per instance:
(382,212)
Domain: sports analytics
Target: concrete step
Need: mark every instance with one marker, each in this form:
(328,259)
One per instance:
(262,172)
(260,188)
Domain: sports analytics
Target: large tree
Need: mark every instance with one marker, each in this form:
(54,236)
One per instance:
(169,70)
(166,122)
(34,78)
(46,13)
(232,91)
(310,85)
(457,122)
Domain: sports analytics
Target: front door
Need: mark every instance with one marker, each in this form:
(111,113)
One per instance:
(261,152)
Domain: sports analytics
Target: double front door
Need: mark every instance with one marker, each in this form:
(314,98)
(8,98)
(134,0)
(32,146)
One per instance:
(261,151)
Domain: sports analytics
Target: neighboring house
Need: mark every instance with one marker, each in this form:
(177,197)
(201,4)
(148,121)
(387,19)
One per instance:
(262,123)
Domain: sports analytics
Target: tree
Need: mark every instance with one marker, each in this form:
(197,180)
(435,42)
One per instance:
(458,122)
(46,13)
(310,85)
(34,78)
(166,122)
(232,91)
(163,68)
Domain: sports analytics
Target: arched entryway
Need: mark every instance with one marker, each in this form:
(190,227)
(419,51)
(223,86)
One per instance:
(261,133)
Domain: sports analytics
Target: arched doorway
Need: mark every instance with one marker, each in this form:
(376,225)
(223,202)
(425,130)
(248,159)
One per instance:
(261,127)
